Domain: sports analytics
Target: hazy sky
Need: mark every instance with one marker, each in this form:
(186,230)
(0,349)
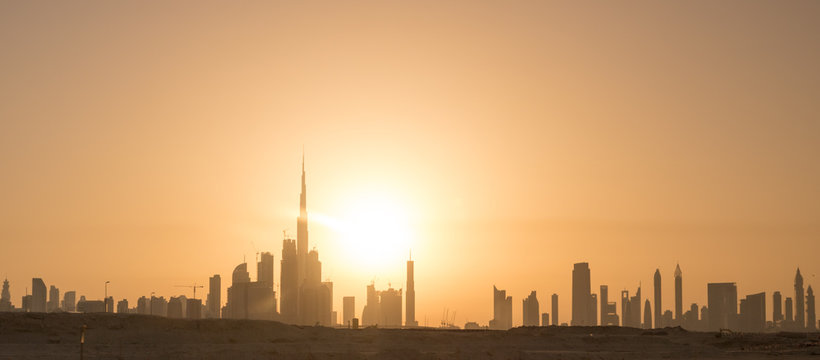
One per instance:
(155,143)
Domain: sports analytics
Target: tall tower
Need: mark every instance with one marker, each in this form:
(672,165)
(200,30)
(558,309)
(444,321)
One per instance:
(302,228)
(555,309)
(214,300)
(410,310)
(799,302)
(678,295)
(581,295)
(658,308)
(811,316)
(777,309)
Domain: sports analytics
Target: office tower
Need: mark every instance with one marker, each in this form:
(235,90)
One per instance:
(667,318)
(193,309)
(555,309)
(53,299)
(70,301)
(753,313)
(410,316)
(175,310)
(545,319)
(143,306)
(789,313)
(502,310)
(38,295)
(530,310)
(592,318)
(371,312)
(722,299)
(609,317)
(658,307)
(689,321)
(237,305)
(159,306)
(811,317)
(647,315)
(799,302)
(390,305)
(326,304)
(302,230)
(777,309)
(631,309)
(348,309)
(580,295)
(122,306)
(264,269)
(5,297)
(109,304)
(214,301)
(25,302)
(678,295)
(289,282)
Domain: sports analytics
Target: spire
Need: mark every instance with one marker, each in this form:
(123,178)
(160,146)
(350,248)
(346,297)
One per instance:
(678,273)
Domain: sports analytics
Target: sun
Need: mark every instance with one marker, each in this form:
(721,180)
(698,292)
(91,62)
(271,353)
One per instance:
(375,229)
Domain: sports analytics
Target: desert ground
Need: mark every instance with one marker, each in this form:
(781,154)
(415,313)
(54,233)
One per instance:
(115,336)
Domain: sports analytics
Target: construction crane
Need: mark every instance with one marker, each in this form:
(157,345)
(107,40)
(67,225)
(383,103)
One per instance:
(194,287)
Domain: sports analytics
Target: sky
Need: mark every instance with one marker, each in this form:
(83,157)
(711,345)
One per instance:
(154,144)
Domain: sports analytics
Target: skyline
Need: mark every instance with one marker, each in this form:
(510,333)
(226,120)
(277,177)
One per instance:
(154,144)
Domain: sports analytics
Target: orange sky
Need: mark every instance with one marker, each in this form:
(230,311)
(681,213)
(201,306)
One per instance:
(154,144)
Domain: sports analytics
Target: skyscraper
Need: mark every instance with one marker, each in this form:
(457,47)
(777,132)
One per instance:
(811,317)
(530,310)
(5,297)
(789,313)
(237,304)
(679,295)
(53,299)
(799,302)
(555,309)
(581,295)
(753,313)
(264,269)
(722,299)
(658,307)
(70,301)
(647,315)
(410,315)
(214,300)
(348,309)
(289,282)
(38,295)
(302,230)
(777,308)
(502,310)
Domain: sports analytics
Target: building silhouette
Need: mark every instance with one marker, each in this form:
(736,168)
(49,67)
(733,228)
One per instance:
(371,312)
(109,304)
(658,307)
(753,313)
(593,310)
(177,307)
(631,309)
(722,299)
(383,308)
(678,295)
(5,297)
(581,295)
(777,309)
(158,306)
(193,309)
(410,315)
(70,301)
(789,313)
(555,309)
(289,282)
(122,306)
(811,317)
(545,319)
(237,305)
(799,302)
(647,315)
(214,300)
(609,316)
(348,310)
(251,300)
(53,299)
(502,310)
(530,310)
(38,295)
(143,306)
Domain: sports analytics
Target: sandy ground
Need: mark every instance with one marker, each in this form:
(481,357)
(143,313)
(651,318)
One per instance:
(110,336)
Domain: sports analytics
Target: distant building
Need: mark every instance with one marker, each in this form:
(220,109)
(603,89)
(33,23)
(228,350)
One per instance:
(289,282)
(176,307)
(91,306)
(53,299)
(109,304)
(722,306)
(667,319)
(789,313)
(593,310)
(678,295)
(799,302)
(25,302)
(753,313)
(502,310)
(70,301)
(5,297)
(811,316)
(545,319)
(555,309)
(372,311)
(122,306)
(158,306)
(410,315)
(609,317)
(38,295)
(690,319)
(631,309)
(237,305)
(383,308)
(530,310)
(348,310)
(471,325)
(658,301)
(581,295)
(143,306)
(777,309)
(193,309)
(214,300)
(647,315)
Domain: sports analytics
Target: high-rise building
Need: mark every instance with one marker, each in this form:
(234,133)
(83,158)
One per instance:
(777,308)
(122,306)
(390,305)
(811,317)
(70,301)
(530,310)
(789,313)
(264,269)
(5,297)
(555,309)
(592,318)
(237,305)
(658,306)
(53,299)
(753,313)
(410,315)
(38,295)
(581,295)
(609,317)
(722,306)
(371,312)
(799,302)
(678,295)
(545,319)
(647,315)
(631,309)
(348,310)
(214,301)
(193,309)
(502,310)
(302,231)
(289,282)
